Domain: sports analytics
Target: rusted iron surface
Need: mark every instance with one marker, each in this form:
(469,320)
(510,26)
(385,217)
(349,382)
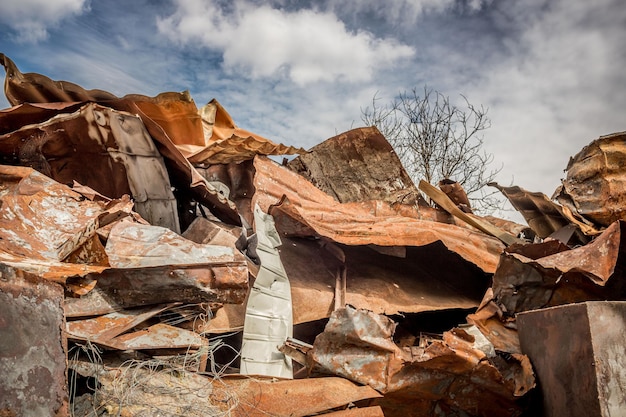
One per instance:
(122,157)
(456,193)
(358,223)
(430,278)
(357,165)
(224,142)
(297,398)
(132,245)
(578,352)
(37,88)
(542,215)
(358,345)
(106,327)
(589,272)
(158,336)
(33,380)
(594,185)
(451,207)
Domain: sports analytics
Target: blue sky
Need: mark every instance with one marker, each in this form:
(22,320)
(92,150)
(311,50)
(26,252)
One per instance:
(551,72)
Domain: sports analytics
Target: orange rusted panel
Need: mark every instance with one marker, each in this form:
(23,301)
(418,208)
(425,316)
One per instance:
(595,185)
(363,223)
(357,165)
(358,345)
(33,346)
(253,397)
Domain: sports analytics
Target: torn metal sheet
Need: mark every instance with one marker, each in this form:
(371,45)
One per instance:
(578,353)
(131,287)
(363,223)
(224,142)
(36,88)
(452,372)
(104,328)
(588,272)
(269,318)
(158,336)
(542,215)
(456,194)
(451,207)
(357,165)
(208,232)
(430,278)
(157,113)
(132,245)
(253,397)
(122,157)
(33,378)
(41,219)
(594,185)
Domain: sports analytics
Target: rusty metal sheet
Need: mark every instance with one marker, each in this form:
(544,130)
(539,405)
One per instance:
(578,353)
(131,287)
(158,336)
(374,411)
(594,185)
(363,223)
(18,116)
(588,272)
(33,346)
(442,200)
(452,372)
(104,328)
(357,165)
(285,398)
(456,193)
(374,281)
(40,218)
(122,157)
(37,88)
(133,245)
(224,142)
(542,215)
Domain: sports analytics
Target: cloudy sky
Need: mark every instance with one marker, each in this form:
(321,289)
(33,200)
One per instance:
(551,72)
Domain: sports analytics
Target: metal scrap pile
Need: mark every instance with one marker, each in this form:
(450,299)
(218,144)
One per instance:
(155,261)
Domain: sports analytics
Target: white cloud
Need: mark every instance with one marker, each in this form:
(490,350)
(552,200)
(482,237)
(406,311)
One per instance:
(556,89)
(305,45)
(31,18)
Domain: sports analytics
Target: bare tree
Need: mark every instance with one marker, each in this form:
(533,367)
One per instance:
(437,140)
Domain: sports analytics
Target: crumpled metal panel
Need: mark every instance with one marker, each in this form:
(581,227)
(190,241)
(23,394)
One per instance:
(134,245)
(158,336)
(36,88)
(578,352)
(542,215)
(522,283)
(122,157)
(357,165)
(42,219)
(33,379)
(297,398)
(374,281)
(548,274)
(224,142)
(363,223)
(452,372)
(594,186)
(104,328)
(269,318)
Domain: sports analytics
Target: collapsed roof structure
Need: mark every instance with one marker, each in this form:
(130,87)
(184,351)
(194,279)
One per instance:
(154,260)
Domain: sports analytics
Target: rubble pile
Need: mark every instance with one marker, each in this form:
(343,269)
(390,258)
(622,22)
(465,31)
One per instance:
(155,261)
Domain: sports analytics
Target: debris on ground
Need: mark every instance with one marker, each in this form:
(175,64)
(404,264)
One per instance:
(156,260)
